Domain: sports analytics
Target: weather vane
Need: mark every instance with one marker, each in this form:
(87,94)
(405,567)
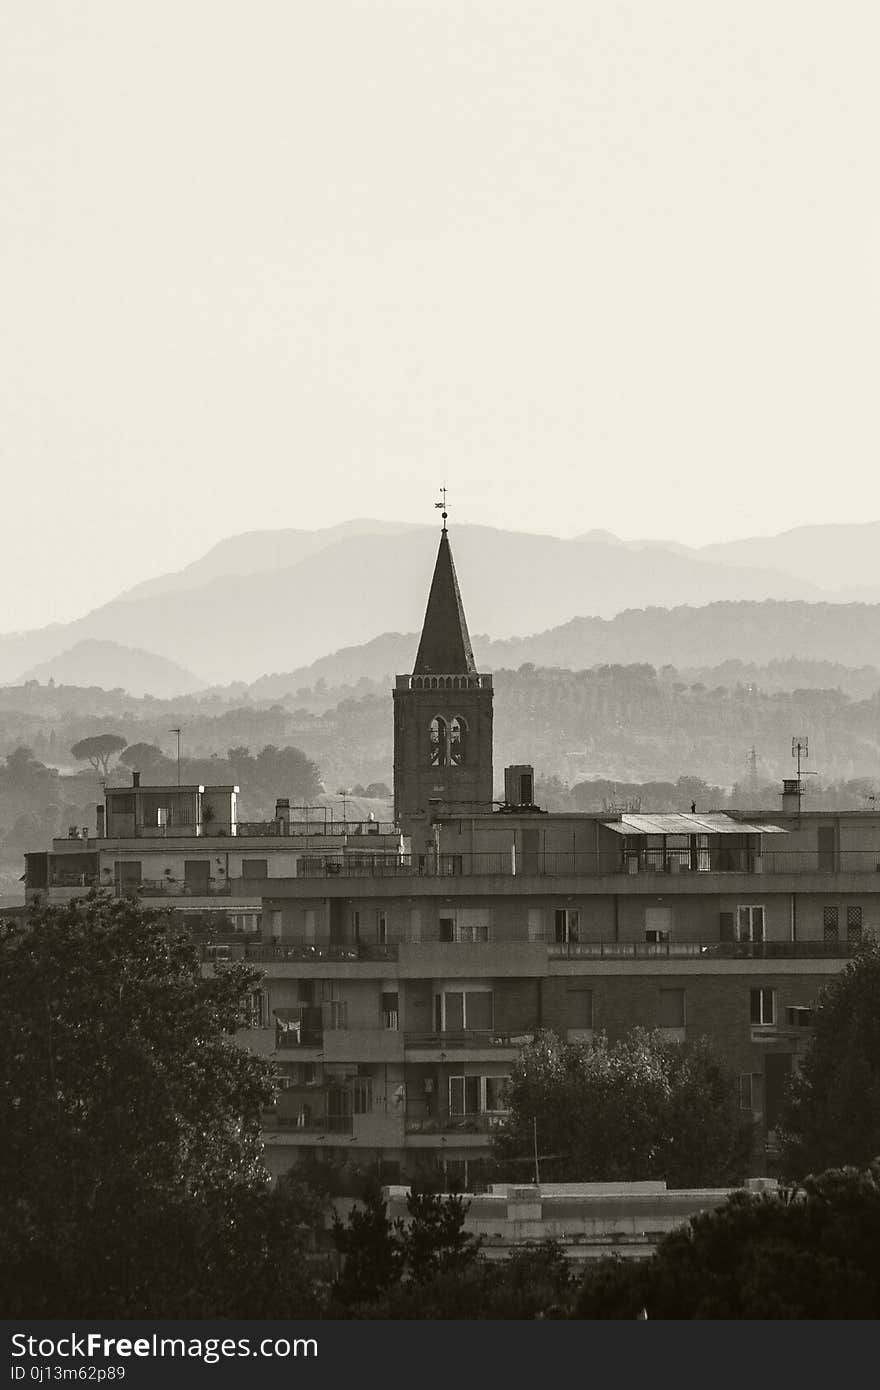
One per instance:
(441,506)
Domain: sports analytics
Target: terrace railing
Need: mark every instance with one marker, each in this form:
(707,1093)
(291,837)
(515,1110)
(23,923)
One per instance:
(572,864)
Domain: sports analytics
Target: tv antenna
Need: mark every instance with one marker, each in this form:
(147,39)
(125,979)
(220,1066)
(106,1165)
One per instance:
(177,731)
(441,507)
(800,749)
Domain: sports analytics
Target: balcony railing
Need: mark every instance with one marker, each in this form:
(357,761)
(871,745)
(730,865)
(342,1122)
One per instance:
(470,1037)
(307,828)
(484,1123)
(294,953)
(267,953)
(179,888)
(570,864)
(305,1123)
(689,950)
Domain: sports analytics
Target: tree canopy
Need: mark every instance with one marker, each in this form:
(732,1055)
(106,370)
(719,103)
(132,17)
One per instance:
(833,1114)
(98,750)
(131,1173)
(812,1252)
(642,1107)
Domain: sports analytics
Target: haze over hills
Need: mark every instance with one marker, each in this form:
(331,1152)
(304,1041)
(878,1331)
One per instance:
(843,559)
(258,552)
(280,600)
(825,637)
(237,626)
(111,666)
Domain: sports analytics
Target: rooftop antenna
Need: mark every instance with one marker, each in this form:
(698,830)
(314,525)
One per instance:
(800,748)
(177,731)
(441,507)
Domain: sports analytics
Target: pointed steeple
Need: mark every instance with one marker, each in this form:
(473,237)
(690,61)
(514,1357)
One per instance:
(445,647)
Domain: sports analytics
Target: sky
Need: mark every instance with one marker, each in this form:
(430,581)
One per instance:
(593,263)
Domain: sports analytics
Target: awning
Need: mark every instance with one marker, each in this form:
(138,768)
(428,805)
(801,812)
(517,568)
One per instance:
(673,823)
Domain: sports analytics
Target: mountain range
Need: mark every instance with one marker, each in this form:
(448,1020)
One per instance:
(279,601)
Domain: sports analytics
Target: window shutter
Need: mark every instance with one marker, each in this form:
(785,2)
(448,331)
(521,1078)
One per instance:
(726,926)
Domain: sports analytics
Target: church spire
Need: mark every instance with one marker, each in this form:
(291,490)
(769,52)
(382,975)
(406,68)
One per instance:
(445,646)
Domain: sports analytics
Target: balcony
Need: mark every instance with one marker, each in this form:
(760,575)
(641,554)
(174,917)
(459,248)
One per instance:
(689,864)
(467,1038)
(178,888)
(691,950)
(269,952)
(483,1123)
(305,829)
(305,1123)
(70,879)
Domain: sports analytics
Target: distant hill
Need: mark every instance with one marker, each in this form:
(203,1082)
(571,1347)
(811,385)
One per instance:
(239,626)
(841,558)
(113,667)
(260,552)
(842,640)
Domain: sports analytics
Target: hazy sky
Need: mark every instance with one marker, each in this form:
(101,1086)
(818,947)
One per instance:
(597,263)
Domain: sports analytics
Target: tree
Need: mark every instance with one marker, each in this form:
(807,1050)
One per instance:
(98,750)
(146,757)
(811,1252)
(434,1239)
(131,1173)
(643,1107)
(833,1113)
(379,1253)
(372,1251)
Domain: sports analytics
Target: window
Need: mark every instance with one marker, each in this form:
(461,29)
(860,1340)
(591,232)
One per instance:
(536,924)
(128,876)
(439,742)
(163,816)
(254,868)
(496,1093)
(457,742)
(361,1095)
(466,925)
(390,1010)
(750,923)
(567,924)
(258,1010)
(800,1016)
(853,925)
(579,1009)
(751,1091)
(658,924)
(672,1008)
(464,1095)
(457,1011)
(197,877)
(382,927)
(830,924)
(478,1095)
(763,1006)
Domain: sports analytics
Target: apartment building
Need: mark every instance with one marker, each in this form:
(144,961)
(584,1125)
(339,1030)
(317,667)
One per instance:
(184,847)
(398,991)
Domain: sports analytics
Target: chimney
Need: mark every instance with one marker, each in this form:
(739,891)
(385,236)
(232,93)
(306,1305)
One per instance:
(99,822)
(791,795)
(519,785)
(135,779)
(282,815)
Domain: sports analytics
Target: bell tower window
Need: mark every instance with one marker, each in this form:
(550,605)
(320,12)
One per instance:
(457,741)
(439,742)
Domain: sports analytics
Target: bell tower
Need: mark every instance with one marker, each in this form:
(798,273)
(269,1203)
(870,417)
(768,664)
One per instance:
(442,714)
